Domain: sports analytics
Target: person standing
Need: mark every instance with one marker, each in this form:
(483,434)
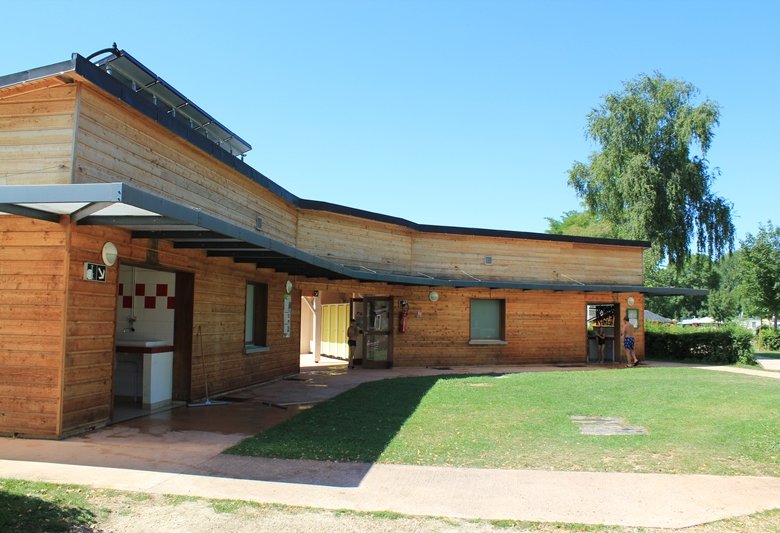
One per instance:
(628,342)
(601,338)
(352,336)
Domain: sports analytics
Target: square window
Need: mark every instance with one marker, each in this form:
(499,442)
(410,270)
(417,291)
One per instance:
(487,320)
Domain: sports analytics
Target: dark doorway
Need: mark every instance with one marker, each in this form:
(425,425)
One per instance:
(603,333)
(378,332)
(182,336)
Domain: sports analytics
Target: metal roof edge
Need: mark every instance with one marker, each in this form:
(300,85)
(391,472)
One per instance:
(38,73)
(674,291)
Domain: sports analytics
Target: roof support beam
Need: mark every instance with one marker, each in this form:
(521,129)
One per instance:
(88,210)
(29,212)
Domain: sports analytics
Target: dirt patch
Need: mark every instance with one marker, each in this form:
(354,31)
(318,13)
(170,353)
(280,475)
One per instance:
(126,513)
(606,425)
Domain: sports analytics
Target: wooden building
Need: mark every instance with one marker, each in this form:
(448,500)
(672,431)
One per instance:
(143,263)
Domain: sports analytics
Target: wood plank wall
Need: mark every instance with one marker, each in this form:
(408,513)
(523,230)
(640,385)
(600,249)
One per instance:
(356,241)
(218,325)
(91,315)
(33,283)
(541,326)
(36,133)
(116,143)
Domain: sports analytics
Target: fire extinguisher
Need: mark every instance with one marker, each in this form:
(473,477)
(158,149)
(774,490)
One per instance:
(402,319)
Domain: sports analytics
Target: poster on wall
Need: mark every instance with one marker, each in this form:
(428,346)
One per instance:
(287,315)
(633,316)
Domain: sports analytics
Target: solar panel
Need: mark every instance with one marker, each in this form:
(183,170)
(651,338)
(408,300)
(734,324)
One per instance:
(134,75)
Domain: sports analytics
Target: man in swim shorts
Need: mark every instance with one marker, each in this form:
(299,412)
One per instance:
(628,342)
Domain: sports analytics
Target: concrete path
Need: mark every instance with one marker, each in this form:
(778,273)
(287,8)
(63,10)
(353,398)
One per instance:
(179,453)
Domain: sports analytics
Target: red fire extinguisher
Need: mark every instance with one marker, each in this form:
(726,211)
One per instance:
(402,319)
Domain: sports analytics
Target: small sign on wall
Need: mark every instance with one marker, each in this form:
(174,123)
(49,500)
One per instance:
(95,272)
(287,315)
(633,316)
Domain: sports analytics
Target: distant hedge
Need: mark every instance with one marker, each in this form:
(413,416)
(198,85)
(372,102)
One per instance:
(726,345)
(769,339)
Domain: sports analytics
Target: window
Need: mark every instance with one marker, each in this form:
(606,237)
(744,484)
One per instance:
(487,321)
(256,316)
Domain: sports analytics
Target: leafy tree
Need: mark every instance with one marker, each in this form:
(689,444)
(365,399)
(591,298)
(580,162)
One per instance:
(726,301)
(760,270)
(698,273)
(651,180)
(582,224)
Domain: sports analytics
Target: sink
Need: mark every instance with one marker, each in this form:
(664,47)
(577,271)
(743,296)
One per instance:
(141,343)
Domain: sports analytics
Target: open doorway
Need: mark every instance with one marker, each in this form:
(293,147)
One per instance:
(325,317)
(602,333)
(153,349)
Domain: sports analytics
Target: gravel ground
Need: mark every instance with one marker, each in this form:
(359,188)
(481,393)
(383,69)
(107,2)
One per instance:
(125,514)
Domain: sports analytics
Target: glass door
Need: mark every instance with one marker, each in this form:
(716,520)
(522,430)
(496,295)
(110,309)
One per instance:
(378,332)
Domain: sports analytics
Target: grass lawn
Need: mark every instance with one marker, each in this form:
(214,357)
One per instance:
(698,421)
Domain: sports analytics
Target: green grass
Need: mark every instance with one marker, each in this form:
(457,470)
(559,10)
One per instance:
(698,421)
(29,506)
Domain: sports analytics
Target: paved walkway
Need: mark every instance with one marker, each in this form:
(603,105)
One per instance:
(179,453)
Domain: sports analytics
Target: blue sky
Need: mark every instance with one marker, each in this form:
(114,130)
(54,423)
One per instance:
(458,113)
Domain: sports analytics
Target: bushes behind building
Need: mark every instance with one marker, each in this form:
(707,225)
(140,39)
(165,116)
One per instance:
(769,339)
(725,345)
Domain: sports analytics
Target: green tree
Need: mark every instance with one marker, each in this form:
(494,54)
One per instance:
(725,301)
(760,271)
(698,273)
(651,179)
(581,224)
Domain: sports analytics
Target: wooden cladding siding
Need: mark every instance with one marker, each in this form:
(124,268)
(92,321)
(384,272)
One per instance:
(355,241)
(33,283)
(541,327)
(218,316)
(91,315)
(115,143)
(526,259)
(36,134)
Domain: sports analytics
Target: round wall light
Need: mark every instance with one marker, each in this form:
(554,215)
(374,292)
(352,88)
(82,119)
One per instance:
(630,300)
(109,253)
(433,296)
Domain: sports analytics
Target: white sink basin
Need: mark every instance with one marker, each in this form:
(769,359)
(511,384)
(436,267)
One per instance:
(141,343)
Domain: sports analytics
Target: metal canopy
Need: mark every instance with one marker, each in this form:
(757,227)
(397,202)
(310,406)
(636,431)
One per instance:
(149,216)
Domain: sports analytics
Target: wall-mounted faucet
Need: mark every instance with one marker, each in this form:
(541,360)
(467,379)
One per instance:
(130,320)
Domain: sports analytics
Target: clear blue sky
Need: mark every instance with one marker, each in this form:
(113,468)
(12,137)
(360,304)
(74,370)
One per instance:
(459,113)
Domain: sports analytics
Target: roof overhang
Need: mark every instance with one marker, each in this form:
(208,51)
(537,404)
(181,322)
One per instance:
(149,216)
